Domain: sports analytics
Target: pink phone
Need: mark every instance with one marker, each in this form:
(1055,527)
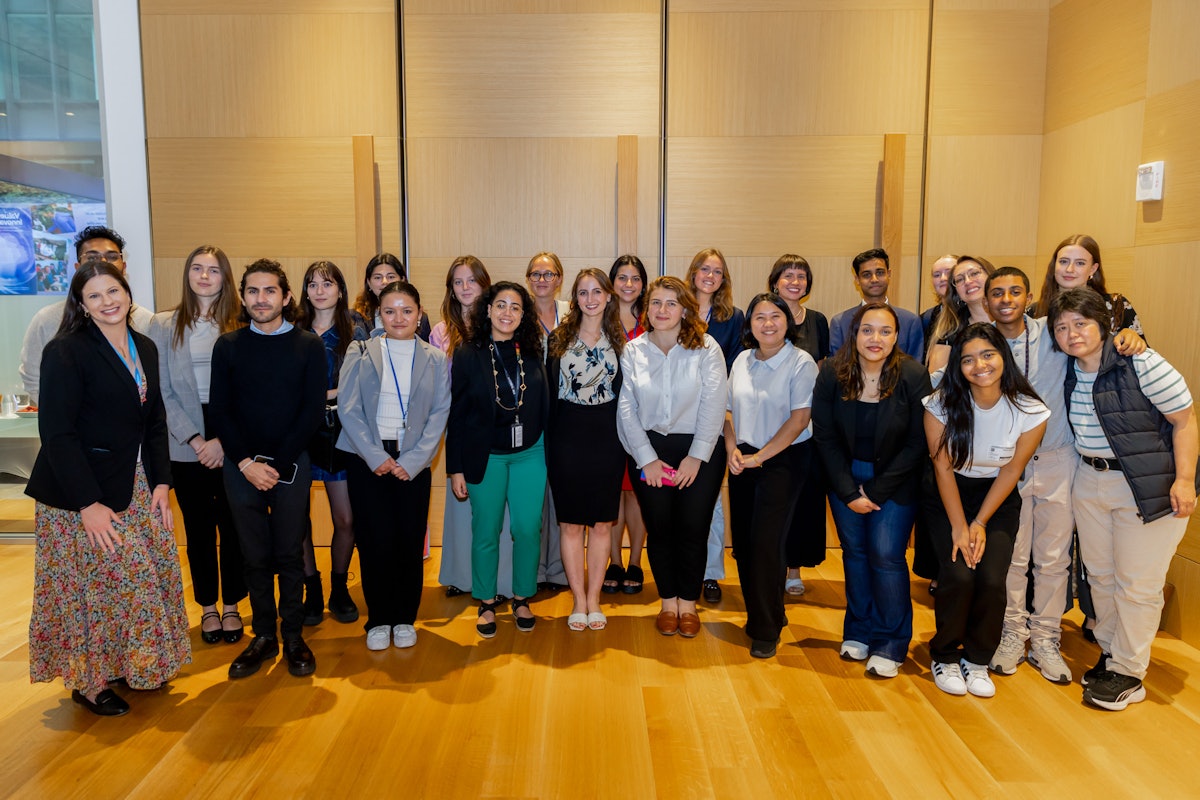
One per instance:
(668,476)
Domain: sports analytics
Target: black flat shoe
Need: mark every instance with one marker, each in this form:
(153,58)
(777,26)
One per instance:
(486,629)
(107,704)
(524,624)
(454,591)
(634,578)
(209,637)
(614,575)
(247,663)
(712,592)
(300,659)
(234,635)
(762,649)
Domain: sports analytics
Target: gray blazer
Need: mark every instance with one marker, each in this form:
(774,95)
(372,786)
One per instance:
(179,392)
(358,402)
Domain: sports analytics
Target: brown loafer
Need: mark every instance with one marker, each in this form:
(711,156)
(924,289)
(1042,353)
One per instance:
(667,623)
(689,625)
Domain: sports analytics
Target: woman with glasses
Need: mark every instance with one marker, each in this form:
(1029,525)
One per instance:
(185,337)
(628,278)
(965,302)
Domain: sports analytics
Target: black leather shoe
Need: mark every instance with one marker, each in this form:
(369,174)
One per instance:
(301,660)
(712,592)
(261,648)
(108,703)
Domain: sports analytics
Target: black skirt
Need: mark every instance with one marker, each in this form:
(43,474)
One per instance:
(586,463)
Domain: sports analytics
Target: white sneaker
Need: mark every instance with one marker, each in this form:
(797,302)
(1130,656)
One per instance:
(882,667)
(979,682)
(404,636)
(1009,654)
(854,651)
(379,637)
(1045,656)
(948,678)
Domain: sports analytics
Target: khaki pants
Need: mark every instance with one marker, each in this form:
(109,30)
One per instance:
(1127,565)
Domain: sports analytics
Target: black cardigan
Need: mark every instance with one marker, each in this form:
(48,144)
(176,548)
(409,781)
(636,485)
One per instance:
(92,423)
(899,435)
(473,410)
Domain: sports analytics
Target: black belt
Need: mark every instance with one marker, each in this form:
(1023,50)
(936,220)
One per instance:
(391,447)
(1102,464)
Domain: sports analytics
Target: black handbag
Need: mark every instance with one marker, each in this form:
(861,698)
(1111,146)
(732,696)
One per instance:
(322,449)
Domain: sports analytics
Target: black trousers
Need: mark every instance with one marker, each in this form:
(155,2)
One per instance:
(969,605)
(806,539)
(762,502)
(200,492)
(271,527)
(677,520)
(390,516)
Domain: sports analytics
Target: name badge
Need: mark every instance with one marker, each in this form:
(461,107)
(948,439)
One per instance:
(999,454)
(518,435)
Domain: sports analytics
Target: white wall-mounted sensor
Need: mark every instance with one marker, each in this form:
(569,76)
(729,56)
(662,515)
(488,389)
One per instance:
(1150,181)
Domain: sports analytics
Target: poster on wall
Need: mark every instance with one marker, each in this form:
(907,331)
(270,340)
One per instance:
(37,251)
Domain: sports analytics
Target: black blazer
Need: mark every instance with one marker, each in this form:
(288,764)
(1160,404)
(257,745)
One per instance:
(92,423)
(473,409)
(899,435)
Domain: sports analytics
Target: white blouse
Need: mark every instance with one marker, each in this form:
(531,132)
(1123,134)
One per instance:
(763,394)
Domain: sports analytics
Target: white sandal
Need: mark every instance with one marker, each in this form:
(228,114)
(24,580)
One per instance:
(577,622)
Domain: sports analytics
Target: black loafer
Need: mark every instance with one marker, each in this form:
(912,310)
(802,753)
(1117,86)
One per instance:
(712,592)
(762,649)
(247,663)
(300,659)
(107,704)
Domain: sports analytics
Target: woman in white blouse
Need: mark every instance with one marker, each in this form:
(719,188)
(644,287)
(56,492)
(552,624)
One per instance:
(394,403)
(585,378)
(767,438)
(670,415)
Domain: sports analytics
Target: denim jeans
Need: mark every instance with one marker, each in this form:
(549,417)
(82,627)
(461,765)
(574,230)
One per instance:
(878,605)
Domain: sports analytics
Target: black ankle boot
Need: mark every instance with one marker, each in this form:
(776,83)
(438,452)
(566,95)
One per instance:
(314,599)
(340,605)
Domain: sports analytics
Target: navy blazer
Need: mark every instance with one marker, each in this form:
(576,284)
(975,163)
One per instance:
(92,423)
(899,435)
(358,403)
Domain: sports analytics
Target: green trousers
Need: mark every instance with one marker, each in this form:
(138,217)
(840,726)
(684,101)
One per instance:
(518,480)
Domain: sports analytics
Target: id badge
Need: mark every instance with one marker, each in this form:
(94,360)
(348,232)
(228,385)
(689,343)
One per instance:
(518,435)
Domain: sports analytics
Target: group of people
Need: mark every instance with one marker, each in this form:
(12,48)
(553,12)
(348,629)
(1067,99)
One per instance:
(568,423)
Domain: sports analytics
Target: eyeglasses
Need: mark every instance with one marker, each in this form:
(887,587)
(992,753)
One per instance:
(542,277)
(969,275)
(111,256)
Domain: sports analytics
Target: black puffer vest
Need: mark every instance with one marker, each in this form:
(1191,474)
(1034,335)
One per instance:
(1140,436)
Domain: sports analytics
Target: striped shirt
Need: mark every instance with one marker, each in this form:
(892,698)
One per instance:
(1162,384)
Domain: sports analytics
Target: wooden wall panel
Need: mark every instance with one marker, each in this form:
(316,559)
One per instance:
(1174,57)
(755,6)
(988,72)
(305,75)
(791,73)
(768,195)
(1088,172)
(454,7)
(217,7)
(536,75)
(1097,58)
(982,195)
(1172,120)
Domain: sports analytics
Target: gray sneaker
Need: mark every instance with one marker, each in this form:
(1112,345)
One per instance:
(1045,656)
(1008,655)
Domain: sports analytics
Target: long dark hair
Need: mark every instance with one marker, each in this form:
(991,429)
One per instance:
(225,309)
(562,337)
(629,259)
(343,323)
(1050,287)
(456,317)
(793,332)
(367,302)
(845,361)
(954,392)
(528,334)
(75,316)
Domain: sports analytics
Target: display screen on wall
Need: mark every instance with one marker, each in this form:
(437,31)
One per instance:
(37,234)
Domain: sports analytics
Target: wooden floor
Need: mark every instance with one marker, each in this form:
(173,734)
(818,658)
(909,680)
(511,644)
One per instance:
(622,713)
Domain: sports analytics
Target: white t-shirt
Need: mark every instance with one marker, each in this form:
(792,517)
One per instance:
(996,431)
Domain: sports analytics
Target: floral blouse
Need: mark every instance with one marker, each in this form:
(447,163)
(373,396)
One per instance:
(586,374)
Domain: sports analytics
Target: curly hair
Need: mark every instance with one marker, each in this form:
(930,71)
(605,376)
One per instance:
(457,318)
(564,335)
(954,392)
(270,267)
(722,301)
(528,334)
(847,367)
(691,327)
(225,309)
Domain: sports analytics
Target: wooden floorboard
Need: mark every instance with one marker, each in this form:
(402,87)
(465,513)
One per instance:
(621,713)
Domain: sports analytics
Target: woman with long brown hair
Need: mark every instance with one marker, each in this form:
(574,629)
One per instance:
(585,379)
(1076,263)
(964,303)
(382,270)
(185,337)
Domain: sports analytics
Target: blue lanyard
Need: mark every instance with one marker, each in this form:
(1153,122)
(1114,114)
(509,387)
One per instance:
(133,368)
(396,380)
(547,330)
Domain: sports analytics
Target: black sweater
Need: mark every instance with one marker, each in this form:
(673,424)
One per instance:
(268,393)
